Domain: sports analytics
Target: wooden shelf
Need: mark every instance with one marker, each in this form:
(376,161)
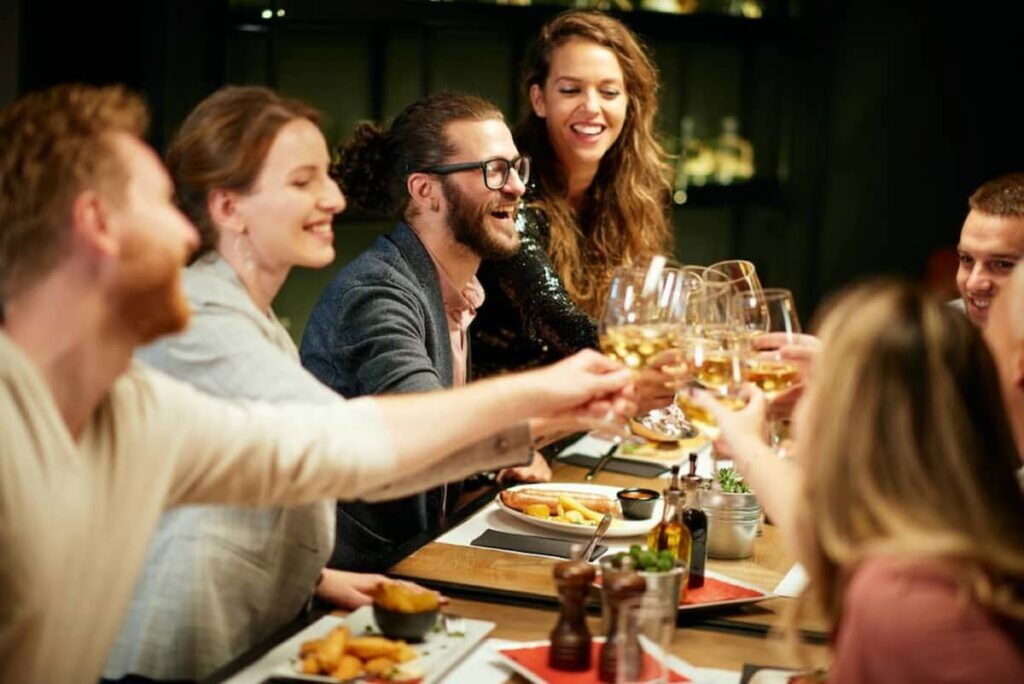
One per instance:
(758,191)
(311,15)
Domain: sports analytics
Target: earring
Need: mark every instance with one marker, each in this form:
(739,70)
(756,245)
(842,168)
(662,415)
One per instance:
(244,251)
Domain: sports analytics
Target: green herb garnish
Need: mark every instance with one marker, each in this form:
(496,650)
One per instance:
(646,560)
(731,482)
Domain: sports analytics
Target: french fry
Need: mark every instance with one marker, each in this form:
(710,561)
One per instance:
(405,653)
(571,504)
(331,652)
(349,667)
(379,666)
(373,647)
(310,664)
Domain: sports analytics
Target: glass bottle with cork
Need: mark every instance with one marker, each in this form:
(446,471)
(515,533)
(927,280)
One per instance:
(671,533)
(570,639)
(696,522)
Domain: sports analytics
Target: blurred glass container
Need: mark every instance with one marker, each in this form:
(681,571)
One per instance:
(734,155)
(732,523)
(671,6)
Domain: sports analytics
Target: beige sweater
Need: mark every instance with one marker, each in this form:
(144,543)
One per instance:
(75,518)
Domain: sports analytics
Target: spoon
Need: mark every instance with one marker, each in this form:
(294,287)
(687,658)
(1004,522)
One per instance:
(602,527)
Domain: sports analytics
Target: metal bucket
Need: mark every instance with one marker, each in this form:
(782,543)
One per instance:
(732,523)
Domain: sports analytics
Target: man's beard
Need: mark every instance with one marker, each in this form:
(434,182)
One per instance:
(151,302)
(468,224)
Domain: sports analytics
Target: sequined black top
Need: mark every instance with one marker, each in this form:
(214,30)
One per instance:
(528,318)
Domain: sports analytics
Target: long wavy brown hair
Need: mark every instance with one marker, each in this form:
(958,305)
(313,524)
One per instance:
(922,463)
(624,219)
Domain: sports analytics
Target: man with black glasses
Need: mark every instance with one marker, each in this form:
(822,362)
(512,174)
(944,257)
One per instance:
(396,318)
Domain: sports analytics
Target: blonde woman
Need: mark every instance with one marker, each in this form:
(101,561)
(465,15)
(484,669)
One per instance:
(903,504)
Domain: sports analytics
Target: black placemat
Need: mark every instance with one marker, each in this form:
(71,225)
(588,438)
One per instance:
(617,465)
(528,543)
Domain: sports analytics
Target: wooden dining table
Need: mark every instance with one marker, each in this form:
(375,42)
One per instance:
(517,592)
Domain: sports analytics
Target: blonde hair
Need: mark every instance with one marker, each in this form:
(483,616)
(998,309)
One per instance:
(624,219)
(922,463)
(54,144)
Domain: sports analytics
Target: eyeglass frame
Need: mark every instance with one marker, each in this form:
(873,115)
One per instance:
(446,169)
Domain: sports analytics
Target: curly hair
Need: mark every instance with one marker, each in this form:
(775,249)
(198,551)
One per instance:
(54,144)
(373,165)
(222,145)
(624,219)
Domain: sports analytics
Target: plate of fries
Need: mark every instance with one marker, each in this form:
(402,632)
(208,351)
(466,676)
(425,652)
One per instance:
(572,508)
(352,649)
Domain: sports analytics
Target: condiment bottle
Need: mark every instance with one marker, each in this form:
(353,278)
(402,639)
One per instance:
(570,639)
(618,588)
(696,522)
(671,533)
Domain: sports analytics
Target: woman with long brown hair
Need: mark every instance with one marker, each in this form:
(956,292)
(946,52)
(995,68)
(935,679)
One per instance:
(599,200)
(903,502)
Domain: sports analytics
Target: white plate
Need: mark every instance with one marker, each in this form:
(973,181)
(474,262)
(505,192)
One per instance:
(438,652)
(620,527)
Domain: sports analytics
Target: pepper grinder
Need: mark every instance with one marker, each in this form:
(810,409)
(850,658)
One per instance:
(570,639)
(618,588)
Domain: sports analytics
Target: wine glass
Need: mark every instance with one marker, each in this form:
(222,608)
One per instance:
(677,286)
(715,353)
(636,324)
(772,310)
(739,274)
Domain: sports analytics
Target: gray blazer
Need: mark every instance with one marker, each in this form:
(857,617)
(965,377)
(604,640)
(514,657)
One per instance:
(381,327)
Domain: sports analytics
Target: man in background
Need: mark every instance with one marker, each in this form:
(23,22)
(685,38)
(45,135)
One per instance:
(991,244)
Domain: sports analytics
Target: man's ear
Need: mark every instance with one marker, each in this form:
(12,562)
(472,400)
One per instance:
(423,191)
(540,107)
(93,225)
(225,210)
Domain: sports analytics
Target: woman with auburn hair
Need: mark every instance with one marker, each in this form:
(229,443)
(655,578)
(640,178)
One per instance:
(599,200)
(906,511)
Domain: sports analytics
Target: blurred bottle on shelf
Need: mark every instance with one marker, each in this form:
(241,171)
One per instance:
(749,9)
(695,164)
(672,6)
(734,155)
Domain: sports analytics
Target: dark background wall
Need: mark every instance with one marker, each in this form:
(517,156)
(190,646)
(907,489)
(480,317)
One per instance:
(872,121)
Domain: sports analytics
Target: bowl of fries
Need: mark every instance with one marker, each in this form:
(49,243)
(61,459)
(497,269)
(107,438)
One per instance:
(403,611)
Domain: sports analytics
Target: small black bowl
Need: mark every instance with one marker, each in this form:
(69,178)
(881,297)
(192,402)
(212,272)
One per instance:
(638,503)
(408,626)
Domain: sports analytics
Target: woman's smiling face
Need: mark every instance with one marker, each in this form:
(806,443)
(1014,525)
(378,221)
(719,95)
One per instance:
(583,102)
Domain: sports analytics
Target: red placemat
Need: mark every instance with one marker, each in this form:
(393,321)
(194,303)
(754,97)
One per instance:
(535,660)
(715,591)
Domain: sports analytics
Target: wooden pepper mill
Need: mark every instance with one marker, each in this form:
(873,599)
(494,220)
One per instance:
(618,588)
(570,639)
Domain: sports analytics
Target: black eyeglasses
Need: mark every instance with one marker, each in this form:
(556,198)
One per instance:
(495,170)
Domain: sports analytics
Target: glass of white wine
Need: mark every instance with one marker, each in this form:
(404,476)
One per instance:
(714,354)
(771,310)
(636,325)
